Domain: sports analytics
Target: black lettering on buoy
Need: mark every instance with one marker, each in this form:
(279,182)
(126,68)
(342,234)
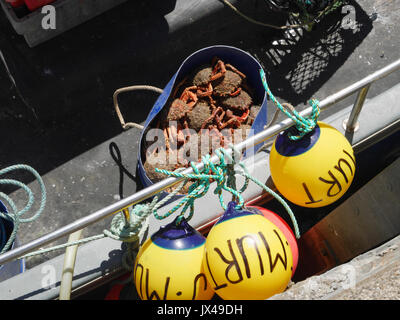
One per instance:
(154,292)
(198,277)
(231,263)
(333,183)
(273,263)
(217,287)
(352,159)
(309,195)
(239,243)
(340,169)
(141,279)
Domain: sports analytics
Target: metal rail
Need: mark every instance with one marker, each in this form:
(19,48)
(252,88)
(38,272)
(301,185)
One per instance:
(152,190)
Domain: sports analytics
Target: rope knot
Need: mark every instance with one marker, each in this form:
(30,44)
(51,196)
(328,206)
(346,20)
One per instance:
(128,230)
(303,125)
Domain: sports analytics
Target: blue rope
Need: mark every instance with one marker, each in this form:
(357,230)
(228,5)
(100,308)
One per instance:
(14,215)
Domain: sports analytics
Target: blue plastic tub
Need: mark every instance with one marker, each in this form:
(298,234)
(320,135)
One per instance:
(238,58)
(12,268)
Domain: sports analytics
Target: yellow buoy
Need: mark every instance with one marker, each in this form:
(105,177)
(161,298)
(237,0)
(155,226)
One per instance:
(169,265)
(247,257)
(314,171)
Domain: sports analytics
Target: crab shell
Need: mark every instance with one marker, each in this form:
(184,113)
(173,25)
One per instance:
(240,102)
(245,128)
(202,76)
(254,110)
(162,160)
(210,141)
(227,83)
(198,115)
(177,110)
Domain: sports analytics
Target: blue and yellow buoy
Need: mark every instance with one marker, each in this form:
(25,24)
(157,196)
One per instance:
(284,227)
(315,170)
(247,257)
(169,265)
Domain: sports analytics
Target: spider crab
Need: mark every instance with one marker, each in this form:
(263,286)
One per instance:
(213,98)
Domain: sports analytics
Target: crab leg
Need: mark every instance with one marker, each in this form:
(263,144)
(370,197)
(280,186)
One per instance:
(186,128)
(235,119)
(219,119)
(229,66)
(215,132)
(236,92)
(244,116)
(213,115)
(173,134)
(180,135)
(207,91)
(229,122)
(187,94)
(221,66)
(177,87)
(166,139)
(221,116)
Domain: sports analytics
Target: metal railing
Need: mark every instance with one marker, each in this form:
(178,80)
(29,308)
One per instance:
(361,87)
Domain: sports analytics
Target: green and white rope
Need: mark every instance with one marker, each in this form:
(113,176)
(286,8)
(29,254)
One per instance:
(303,125)
(120,228)
(13,214)
(221,176)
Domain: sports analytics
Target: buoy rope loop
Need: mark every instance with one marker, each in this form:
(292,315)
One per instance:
(224,175)
(245,173)
(13,213)
(120,229)
(303,125)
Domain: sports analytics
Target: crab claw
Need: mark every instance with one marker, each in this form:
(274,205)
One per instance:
(221,67)
(244,116)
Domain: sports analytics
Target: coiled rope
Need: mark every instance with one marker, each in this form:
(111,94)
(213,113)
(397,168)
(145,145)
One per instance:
(14,215)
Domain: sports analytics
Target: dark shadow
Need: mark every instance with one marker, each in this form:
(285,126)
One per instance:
(116,155)
(349,136)
(368,165)
(63,105)
(299,62)
(105,268)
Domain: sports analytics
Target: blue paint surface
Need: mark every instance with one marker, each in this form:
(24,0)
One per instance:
(290,148)
(12,268)
(231,213)
(178,237)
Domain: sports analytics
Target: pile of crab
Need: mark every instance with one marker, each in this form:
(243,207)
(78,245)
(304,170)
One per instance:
(209,109)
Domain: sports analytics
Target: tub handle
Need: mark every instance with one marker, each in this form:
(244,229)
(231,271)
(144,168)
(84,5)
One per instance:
(128,125)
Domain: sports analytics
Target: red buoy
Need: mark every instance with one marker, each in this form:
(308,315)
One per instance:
(286,230)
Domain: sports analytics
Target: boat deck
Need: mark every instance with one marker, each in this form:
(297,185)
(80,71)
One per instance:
(59,118)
